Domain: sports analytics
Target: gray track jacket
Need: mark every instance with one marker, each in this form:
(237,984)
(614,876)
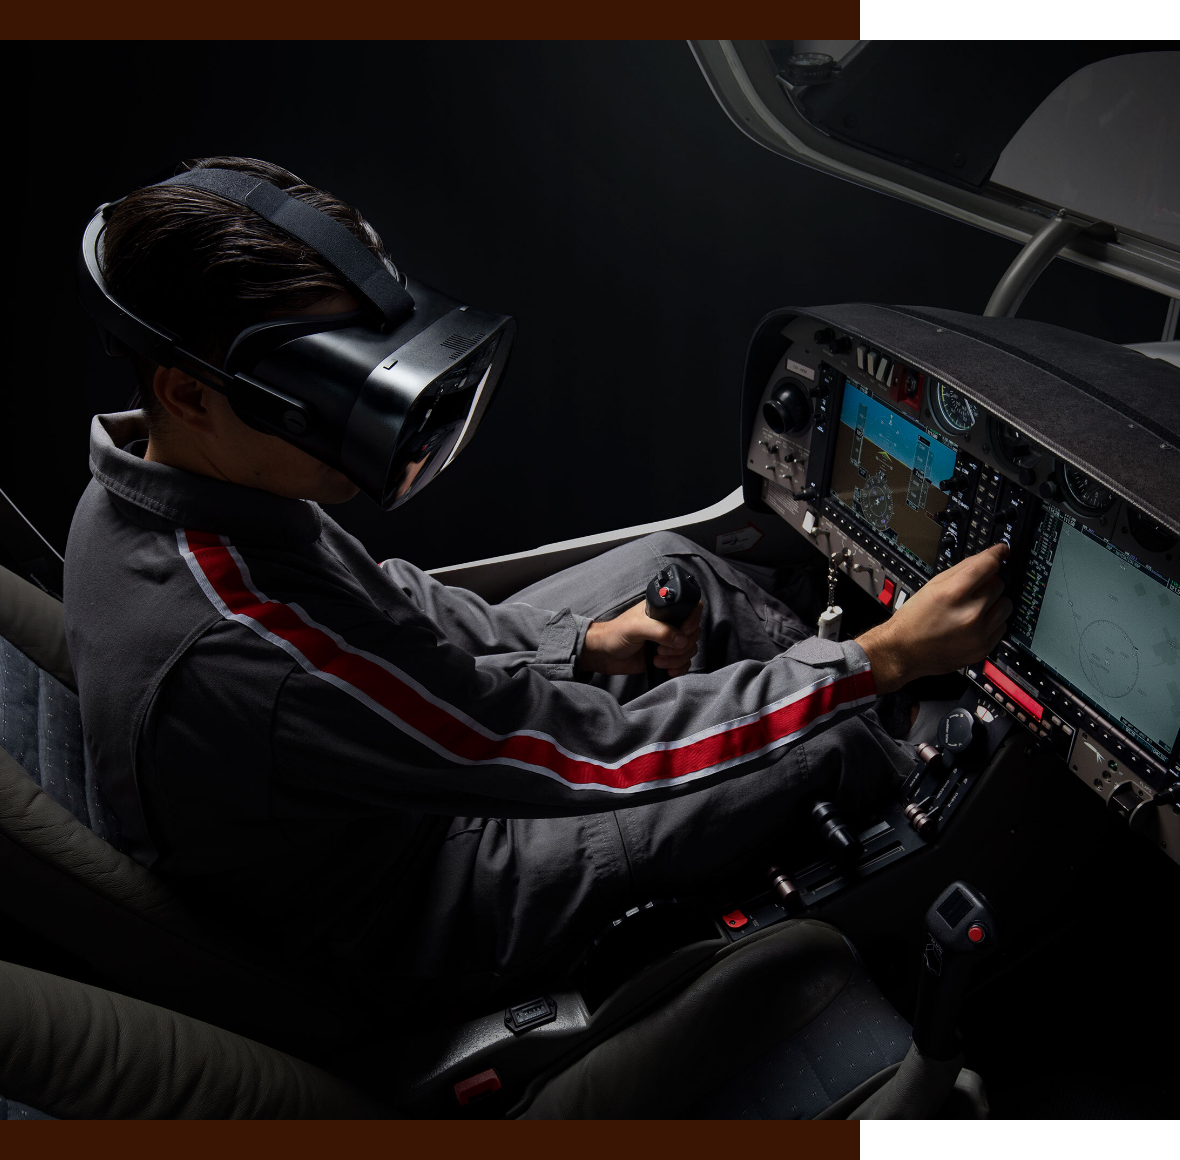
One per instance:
(268,709)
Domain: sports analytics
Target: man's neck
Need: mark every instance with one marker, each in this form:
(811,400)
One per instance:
(186,458)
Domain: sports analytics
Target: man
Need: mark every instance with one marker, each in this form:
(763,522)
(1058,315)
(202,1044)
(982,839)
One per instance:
(393,782)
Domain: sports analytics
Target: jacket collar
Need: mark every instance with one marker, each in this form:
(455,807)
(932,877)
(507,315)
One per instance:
(158,494)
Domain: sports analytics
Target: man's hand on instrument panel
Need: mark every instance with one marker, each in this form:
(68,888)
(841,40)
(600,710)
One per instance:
(616,646)
(953,620)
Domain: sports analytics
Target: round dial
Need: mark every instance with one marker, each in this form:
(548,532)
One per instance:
(1148,534)
(1084,493)
(1014,446)
(954,412)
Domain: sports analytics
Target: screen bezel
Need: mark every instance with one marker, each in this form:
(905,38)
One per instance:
(895,549)
(1100,711)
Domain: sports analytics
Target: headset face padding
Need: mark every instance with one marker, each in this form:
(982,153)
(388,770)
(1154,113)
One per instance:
(387,394)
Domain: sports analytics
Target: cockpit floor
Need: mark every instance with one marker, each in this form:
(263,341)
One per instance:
(1082,1024)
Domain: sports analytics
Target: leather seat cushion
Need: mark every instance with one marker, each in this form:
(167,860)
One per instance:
(782,1026)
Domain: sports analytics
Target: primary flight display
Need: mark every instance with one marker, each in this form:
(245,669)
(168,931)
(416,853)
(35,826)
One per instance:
(887,471)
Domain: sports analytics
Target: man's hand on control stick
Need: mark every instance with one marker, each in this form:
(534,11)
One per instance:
(953,620)
(617,646)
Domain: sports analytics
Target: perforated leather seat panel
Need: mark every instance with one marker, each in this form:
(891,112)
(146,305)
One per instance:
(856,1036)
(41,729)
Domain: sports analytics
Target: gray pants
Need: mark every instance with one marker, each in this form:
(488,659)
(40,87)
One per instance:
(514,898)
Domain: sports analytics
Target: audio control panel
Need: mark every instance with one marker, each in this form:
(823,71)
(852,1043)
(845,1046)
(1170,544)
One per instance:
(896,476)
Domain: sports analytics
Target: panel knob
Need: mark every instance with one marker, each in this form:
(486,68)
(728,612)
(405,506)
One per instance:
(787,409)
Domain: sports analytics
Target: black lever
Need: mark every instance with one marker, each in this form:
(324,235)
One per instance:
(844,846)
(958,732)
(671,596)
(960,928)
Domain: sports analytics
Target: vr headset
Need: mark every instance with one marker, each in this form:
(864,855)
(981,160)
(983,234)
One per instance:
(388,394)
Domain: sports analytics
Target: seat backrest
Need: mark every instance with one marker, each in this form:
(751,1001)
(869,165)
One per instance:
(65,879)
(41,728)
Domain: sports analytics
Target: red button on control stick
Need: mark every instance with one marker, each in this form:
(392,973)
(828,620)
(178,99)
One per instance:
(976,933)
(664,592)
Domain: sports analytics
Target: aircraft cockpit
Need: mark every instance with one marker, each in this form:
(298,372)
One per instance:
(971,942)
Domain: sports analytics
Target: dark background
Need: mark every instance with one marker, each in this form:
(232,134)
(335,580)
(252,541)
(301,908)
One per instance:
(595,191)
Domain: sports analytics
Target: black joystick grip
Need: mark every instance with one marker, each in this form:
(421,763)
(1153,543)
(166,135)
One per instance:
(671,596)
(960,929)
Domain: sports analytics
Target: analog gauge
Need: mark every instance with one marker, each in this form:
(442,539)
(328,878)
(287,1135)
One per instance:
(1148,534)
(955,413)
(1015,449)
(1083,493)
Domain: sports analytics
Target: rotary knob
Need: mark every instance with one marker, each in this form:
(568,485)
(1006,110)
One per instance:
(787,410)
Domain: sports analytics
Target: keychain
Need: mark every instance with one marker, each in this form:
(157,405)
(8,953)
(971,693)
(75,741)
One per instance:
(829,619)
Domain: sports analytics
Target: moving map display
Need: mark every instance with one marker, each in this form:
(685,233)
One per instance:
(887,471)
(1107,626)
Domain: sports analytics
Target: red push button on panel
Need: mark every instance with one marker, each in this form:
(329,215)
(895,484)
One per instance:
(886,596)
(1013,690)
(976,933)
(477,1085)
(735,920)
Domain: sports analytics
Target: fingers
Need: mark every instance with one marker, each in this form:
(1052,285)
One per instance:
(984,598)
(667,636)
(680,644)
(674,665)
(686,635)
(981,568)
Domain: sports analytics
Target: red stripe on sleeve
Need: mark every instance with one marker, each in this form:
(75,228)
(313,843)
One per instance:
(457,737)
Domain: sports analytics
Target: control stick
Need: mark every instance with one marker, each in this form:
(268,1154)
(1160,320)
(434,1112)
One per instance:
(671,596)
(960,928)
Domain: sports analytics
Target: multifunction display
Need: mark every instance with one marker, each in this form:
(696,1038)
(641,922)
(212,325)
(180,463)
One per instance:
(888,470)
(1106,625)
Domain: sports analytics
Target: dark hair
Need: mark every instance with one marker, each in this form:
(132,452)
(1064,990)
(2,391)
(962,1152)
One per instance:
(206,268)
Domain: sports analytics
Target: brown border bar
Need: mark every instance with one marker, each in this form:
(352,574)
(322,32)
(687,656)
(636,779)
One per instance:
(457,20)
(294,1140)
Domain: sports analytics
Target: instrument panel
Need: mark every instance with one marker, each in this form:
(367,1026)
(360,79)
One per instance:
(896,473)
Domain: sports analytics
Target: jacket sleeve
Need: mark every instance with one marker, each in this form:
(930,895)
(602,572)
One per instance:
(516,635)
(386,715)
(376,709)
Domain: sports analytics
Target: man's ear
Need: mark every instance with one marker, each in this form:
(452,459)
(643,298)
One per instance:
(185,399)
